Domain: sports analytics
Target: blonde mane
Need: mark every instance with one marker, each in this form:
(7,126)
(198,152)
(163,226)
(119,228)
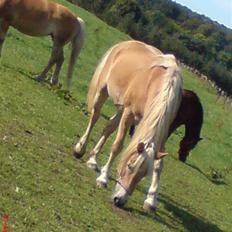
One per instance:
(160,113)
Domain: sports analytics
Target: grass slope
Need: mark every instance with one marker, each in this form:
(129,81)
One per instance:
(43,188)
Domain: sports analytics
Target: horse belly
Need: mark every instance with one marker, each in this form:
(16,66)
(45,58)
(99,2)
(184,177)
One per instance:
(33,29)
(31,17)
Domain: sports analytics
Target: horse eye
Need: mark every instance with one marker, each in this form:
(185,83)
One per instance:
(129,166)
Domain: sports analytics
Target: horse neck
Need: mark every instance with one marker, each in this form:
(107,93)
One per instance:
(2,6)
(157,117)
(5,9)
(193,126)
(192,131)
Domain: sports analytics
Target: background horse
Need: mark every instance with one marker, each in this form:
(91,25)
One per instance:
(190,114)
(42,18)
(145,86)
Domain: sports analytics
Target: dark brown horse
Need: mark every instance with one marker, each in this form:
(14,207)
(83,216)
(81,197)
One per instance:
(190,114)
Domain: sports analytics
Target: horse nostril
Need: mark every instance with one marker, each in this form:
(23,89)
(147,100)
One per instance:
(182,157)
(116,201)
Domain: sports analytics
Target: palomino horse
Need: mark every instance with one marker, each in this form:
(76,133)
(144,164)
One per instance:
(190,114)
(145,85)
(42,18)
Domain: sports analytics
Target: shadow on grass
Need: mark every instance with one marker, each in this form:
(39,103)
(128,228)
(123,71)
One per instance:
(68,98)
(18,70)
(190,220)
(152,215)
(175,216)
(214,181)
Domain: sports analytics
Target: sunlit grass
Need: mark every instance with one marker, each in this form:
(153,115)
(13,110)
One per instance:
(43,188)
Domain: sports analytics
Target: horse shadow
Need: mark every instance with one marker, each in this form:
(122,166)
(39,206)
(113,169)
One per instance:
(173,217)
(207,176)
(18,70)
(214,181)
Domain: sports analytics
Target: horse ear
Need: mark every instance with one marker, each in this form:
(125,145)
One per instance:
(141,147)
(161,155)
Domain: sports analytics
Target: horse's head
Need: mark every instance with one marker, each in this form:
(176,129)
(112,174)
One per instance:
(132,169)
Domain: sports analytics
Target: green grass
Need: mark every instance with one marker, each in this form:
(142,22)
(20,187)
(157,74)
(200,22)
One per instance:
(43,188)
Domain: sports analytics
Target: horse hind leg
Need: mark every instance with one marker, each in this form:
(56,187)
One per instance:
(55,77)
(56,57)
(100,98)
(109,129)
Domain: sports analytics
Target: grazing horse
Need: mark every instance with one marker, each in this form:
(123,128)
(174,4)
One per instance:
(145,86)
(190,114)
(43,18)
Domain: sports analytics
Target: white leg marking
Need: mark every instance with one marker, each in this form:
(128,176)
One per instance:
(103,177)
(92,163)
(151,198)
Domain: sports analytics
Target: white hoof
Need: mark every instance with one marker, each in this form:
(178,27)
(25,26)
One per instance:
(54,81)
(149,208)
(101,181)
(101,184)
(78,151)
(78,147)
(149,205)
(92,164)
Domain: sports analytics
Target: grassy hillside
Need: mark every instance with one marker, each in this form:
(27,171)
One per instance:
(43,188)
(198,41)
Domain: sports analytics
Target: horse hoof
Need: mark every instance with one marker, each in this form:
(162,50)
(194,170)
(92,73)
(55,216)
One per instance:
(101,184)
(93,166)
(54,82)
(149,208)
(77,155)
(39,78)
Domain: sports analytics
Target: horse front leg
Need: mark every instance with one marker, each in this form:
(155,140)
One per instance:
(4,26)
(55,77)
(125,123)
(80,147)
(150,202)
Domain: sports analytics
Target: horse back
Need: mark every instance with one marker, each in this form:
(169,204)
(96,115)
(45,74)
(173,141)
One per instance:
(40,17)
(132,75)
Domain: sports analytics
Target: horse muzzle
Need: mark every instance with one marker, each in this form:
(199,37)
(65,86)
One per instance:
(120,196)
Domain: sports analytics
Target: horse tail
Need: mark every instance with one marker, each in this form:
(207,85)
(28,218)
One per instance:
(77,43)
(95,84)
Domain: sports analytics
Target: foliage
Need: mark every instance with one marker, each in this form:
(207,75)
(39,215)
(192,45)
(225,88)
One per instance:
(193,38)
(219,175)
(43,188)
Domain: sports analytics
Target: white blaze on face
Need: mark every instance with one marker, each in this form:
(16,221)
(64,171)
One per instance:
(120,195)
(135,168)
